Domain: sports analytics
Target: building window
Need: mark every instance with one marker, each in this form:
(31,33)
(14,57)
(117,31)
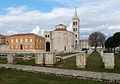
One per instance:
(40,41)
(21,40)
(11,46)
(45,35)
(12,40)
(73,29)
(76,41)
(16,40)
(74,23)
(76,29)
(37,46)
(31,46)
(76,35)
(48,35)
(30,40)
(37,40)
(65,48)
(26,40)
(26,46)
(16,46)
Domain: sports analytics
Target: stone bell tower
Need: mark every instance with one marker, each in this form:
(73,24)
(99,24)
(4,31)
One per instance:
(75,29)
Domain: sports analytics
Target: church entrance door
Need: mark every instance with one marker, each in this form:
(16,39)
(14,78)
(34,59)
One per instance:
(47,46)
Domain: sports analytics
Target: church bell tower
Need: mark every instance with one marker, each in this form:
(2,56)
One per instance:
(75,29)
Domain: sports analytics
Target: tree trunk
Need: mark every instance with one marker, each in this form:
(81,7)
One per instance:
(95,48)
(110,49)
(114,49)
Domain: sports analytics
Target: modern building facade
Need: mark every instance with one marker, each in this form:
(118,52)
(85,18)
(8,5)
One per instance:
(27,41)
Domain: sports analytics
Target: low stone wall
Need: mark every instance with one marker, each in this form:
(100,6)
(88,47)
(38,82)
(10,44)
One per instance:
(99,76)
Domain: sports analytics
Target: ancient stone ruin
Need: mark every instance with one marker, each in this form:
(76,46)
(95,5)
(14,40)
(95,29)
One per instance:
(81,60)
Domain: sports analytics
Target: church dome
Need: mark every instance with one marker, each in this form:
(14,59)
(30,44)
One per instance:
(60,27)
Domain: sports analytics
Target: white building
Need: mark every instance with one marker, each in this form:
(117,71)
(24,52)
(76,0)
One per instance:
(84,44)
(62,40)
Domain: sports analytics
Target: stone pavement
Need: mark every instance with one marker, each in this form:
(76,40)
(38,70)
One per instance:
(111,77)
(65,57)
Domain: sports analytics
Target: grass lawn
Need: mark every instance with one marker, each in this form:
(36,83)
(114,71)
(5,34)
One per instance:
(94,63)
(19,77)
(26,62)
(3,60)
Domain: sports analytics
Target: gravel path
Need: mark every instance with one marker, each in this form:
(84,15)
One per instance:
(112,77)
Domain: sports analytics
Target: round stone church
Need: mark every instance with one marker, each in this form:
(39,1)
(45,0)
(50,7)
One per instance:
(62,40)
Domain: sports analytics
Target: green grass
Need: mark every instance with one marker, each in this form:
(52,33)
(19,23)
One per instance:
(3,60)
(26,62)
(94,63)
(19,77)
(66,63)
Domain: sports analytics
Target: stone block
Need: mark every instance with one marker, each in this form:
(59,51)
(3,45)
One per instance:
(50,59)
(101,52)
(11,58)
(108,59)
(39,58)
(81,60)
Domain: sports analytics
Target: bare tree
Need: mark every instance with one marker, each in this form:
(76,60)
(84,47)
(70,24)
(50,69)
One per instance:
(96,39)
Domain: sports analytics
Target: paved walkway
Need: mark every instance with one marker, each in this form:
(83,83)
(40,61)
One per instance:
(114,77)
(65,57)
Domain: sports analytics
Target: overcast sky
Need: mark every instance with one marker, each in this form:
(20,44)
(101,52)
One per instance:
(37,16)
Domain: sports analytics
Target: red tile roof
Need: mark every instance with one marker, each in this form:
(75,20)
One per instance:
(25,35)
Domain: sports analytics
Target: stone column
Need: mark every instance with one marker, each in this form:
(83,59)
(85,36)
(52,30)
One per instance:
(50,59)
(108,59)
(101,53)
(80,60)
(11,58)
(39,58)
